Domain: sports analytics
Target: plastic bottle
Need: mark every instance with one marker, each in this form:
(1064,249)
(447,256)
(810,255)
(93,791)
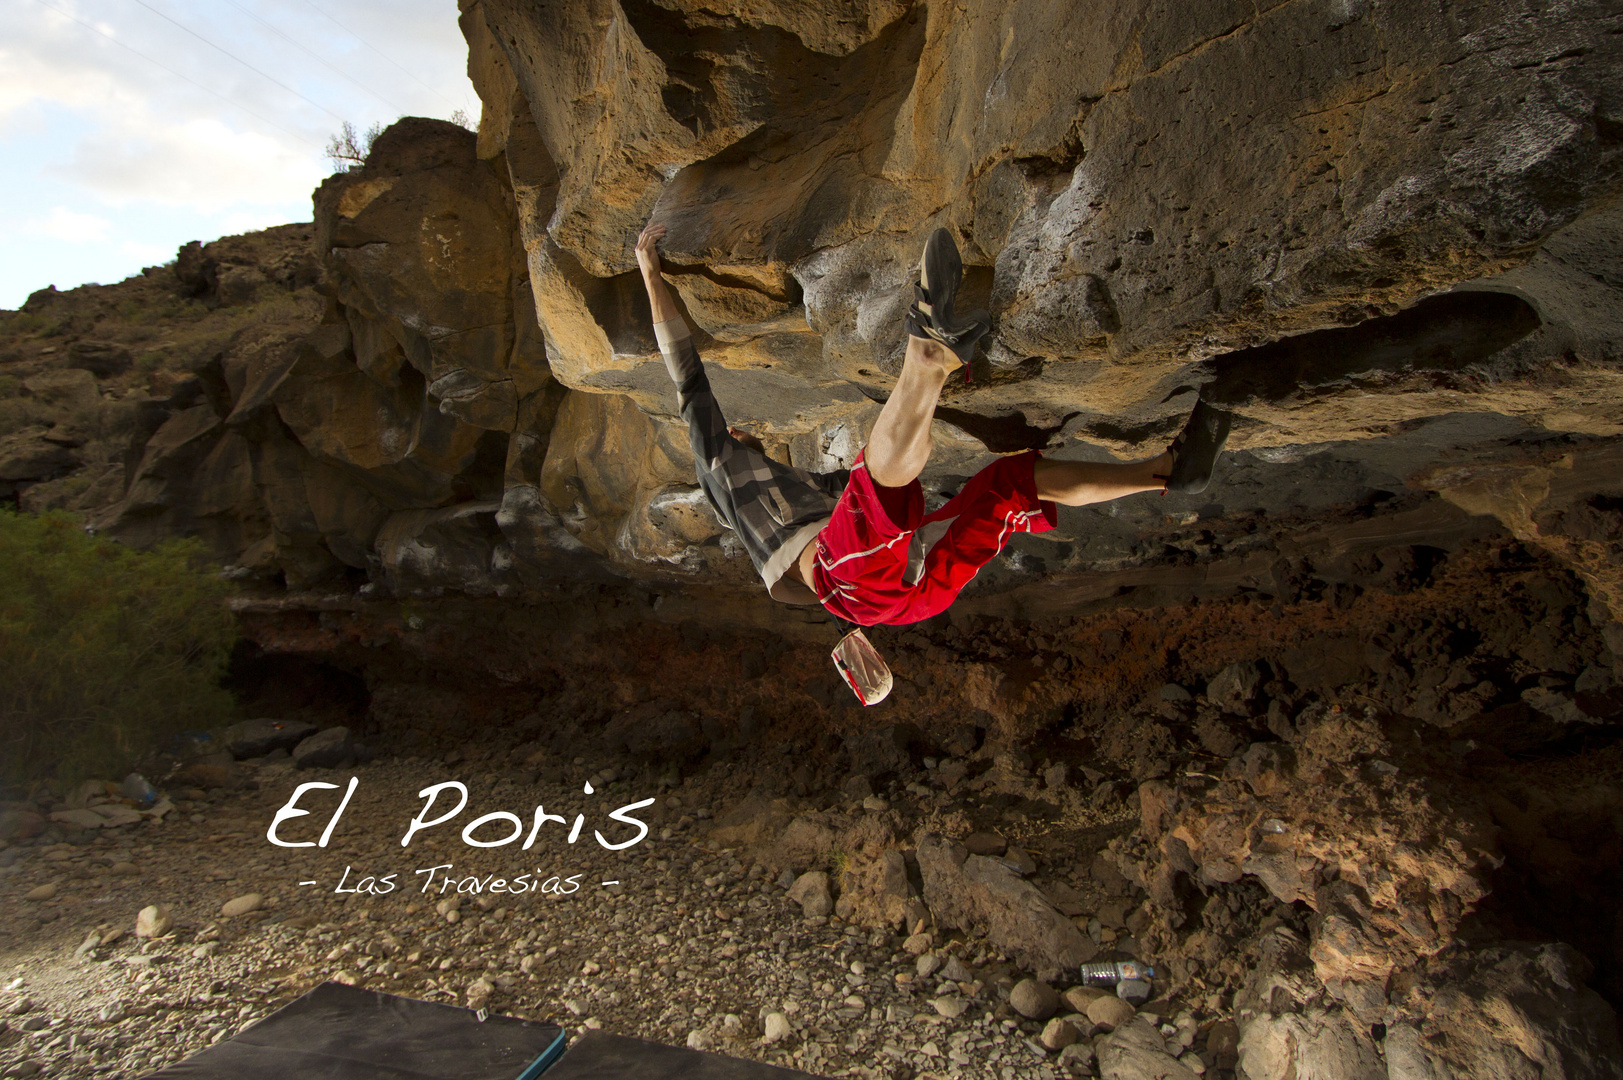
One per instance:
(1130,978)
(135,787)
(1111,974)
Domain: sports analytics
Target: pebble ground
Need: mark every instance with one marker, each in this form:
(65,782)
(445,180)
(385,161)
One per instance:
(692,946)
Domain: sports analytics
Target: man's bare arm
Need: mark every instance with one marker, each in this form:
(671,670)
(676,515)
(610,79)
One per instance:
(659,294)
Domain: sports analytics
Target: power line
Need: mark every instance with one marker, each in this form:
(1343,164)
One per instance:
(377,50)
(331,67)
(239,60)
(176,74)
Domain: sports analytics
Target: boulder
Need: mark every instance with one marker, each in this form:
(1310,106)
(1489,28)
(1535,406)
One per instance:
(1513,1010)
(79,819)
(1078,998)
(811,892)
(28,456)
(207,773)
(1235,688)
(114,815)
(1136,1050)
(1109,1012)
(1316,1044)
(153,921)
(1223,1044)
(256,738)
(324,750)
(103,359)
(17,824)
(238,284)
(975,892)
(1033,999)
(1080,256)
(985,843)
(1058,1033)
(63,392)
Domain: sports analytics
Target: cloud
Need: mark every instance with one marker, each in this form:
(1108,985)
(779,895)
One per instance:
(201,163)
(70,226)
(146,254)
(132,134)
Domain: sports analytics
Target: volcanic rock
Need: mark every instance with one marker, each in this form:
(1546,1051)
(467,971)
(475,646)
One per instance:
(811,892)
(965,890)
(255,738)
(1136,1049)
(1033,999)
(325,749)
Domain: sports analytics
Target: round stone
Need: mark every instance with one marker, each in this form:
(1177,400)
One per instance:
(1110,1013)
(1034,1000)
(776,1027)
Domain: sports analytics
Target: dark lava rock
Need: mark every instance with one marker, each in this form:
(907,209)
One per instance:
(256,738)
(324,750)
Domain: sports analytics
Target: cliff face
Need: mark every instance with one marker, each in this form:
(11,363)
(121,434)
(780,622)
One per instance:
(1388,239)
(1141,197)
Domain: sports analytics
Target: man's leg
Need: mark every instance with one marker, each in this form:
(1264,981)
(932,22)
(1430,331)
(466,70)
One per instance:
(899,446)
(1185,467)
(1079,483)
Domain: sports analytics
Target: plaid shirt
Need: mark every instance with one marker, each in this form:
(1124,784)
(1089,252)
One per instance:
(774,509)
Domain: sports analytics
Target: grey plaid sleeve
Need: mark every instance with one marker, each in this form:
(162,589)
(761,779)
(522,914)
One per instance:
(707,427)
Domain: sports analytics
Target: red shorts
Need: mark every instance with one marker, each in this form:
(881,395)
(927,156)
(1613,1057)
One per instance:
(882,559)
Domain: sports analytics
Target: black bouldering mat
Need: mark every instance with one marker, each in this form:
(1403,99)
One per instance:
(338,1032)
(597,1055)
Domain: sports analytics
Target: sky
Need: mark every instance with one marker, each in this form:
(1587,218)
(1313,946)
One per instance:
(129,127)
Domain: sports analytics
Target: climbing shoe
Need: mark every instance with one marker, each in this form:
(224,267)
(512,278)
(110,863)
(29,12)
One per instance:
(1194,451)
(931,316)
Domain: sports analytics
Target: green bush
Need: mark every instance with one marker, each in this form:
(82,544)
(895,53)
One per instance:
(105,652)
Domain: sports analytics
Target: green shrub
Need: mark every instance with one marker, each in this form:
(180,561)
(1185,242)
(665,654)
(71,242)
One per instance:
(23,322)
(105,652)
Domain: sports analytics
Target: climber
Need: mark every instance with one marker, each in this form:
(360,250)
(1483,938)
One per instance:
(859,541)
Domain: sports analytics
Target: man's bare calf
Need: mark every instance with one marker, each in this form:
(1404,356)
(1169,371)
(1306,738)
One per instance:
(1081,483)
(900,445)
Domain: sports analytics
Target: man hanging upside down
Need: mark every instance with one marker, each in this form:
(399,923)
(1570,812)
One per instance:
(860,542)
